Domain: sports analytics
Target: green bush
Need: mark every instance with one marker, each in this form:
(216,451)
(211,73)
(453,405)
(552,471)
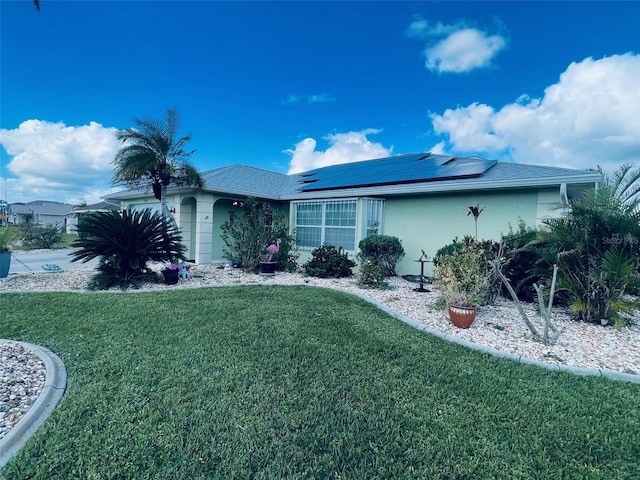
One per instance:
(371,275)
(34,236)
(463,267)
(633,285)
(250,232)
(382,250)
(454,247)
(125,244)
(521,265)
(596,249)
(328,261)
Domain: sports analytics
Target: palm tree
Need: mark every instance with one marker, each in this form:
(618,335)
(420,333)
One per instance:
(625,184)
(151,156)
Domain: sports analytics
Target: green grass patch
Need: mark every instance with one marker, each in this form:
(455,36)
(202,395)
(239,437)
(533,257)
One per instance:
(271,382)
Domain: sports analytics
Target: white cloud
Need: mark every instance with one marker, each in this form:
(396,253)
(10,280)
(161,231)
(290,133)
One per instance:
(343,148)
(53,161)
(589,118)
(463,51)
(456,48)
(294,98)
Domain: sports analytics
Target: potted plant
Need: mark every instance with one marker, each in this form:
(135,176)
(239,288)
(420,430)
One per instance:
(7,235)
(463,282)
(171,272)
(269,267)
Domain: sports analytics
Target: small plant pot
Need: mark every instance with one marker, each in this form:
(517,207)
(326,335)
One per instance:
(268,268)
(5,263)
(462,317)
(170,276)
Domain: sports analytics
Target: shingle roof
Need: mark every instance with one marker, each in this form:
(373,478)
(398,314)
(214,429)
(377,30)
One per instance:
(42,207)
(497,175)
(368,178)
(100,206)
(249,181)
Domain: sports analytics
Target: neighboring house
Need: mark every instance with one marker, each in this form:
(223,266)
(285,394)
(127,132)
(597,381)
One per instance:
(103,206)
(420,198)
(42,212)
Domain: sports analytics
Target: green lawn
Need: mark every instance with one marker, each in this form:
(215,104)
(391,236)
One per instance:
(272,382)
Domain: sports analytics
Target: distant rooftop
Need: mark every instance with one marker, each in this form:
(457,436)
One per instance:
(42,207)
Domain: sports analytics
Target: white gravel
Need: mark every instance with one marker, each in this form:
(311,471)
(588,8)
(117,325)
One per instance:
(22,377)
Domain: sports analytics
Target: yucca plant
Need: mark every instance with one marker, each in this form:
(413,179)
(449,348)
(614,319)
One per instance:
(125,243)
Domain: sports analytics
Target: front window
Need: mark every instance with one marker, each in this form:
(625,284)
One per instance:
(331,222)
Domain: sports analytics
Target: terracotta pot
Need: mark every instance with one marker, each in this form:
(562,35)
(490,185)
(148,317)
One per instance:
(462,317)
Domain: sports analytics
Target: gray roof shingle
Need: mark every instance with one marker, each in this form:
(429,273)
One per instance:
(244,180)
(42,207)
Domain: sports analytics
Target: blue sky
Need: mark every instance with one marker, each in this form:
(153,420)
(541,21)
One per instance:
(290,86)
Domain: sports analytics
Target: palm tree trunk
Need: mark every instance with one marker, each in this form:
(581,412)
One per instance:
(163,204)
(166,214)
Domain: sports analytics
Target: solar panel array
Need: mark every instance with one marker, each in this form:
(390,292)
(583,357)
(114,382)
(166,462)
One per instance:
(410,168)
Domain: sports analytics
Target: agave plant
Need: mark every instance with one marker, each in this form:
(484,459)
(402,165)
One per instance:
(125,243)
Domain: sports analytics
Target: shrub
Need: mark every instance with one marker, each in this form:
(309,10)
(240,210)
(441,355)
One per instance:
(328,261)
(382,250)
(371,275)
(596,249)
(466,272)
(125,244)
(34,236)
(462,278)
(633,285)
(7,236)
(449,249)
(248,235)
(521,266)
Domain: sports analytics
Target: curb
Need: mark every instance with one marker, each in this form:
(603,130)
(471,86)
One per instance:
(600,372)
(54,386)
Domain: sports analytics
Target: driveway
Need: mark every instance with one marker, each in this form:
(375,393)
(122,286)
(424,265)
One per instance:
(27,261)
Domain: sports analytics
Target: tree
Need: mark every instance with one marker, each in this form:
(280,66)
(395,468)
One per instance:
(152,156)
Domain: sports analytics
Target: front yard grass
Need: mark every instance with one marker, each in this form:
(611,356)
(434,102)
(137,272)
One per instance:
(271,382)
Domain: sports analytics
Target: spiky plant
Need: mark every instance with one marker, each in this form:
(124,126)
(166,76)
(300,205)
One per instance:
(597,247)
(125,243)
(475,211)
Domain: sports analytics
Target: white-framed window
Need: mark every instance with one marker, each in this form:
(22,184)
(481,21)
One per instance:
(372,217)
(330,222)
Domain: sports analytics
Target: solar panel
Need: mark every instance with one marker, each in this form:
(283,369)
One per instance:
(411,168)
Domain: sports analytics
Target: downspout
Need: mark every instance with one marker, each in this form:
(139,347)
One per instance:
(564,198)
